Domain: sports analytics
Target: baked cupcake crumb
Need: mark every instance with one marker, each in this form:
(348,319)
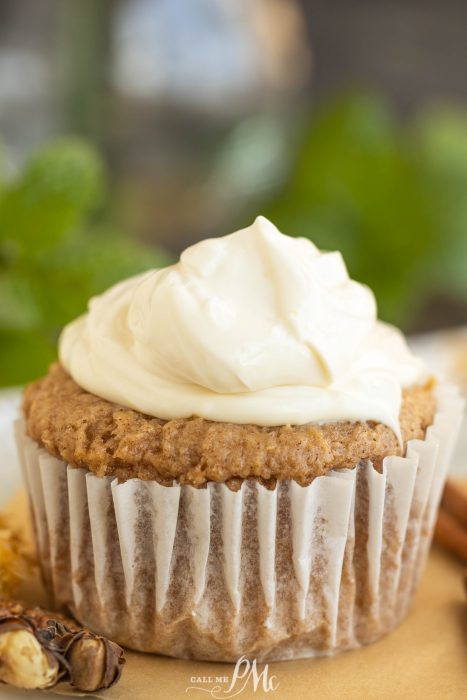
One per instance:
(110,440)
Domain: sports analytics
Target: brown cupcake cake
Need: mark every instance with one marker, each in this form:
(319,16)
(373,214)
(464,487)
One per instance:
(234,457)
(112,441)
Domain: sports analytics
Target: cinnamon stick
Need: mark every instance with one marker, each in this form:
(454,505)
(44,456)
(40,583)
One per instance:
(454,502)
(451,535)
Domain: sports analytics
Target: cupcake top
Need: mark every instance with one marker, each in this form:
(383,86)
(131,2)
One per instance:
(255,327)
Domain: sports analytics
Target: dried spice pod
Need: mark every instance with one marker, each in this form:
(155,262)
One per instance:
(38,649)
(24,661)
(40,617)
(94,662)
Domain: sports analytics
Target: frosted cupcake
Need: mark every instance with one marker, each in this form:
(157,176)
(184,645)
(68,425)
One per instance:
(235,457)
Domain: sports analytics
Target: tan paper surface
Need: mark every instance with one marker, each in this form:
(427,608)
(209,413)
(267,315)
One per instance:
(426,657)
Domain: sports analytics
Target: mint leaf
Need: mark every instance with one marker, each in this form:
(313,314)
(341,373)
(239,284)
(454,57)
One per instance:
(59,187)
(19,309)
(24,355)
(357,187)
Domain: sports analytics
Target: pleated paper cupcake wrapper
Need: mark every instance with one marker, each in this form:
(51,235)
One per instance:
(215,574)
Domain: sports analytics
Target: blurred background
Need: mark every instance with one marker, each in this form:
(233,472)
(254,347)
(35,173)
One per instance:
(133,128)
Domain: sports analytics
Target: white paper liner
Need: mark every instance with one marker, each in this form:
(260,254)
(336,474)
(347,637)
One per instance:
(214,574)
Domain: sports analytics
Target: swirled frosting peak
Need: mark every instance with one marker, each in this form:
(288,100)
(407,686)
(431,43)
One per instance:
(254,327)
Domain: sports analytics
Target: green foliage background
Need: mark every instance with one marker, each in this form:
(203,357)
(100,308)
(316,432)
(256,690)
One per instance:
(391,196)
(55,253)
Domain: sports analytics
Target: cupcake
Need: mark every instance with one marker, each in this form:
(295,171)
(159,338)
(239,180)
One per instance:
(235,457)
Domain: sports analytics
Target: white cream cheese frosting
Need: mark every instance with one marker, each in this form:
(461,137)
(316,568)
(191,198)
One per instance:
(254,327)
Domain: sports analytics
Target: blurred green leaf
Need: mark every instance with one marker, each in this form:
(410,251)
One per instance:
(19,309)
(24,356)
(87,266)
(2,170)
(441,134)
(55,253)
(441,139)
(356,188)
(58,188)
(391,196)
